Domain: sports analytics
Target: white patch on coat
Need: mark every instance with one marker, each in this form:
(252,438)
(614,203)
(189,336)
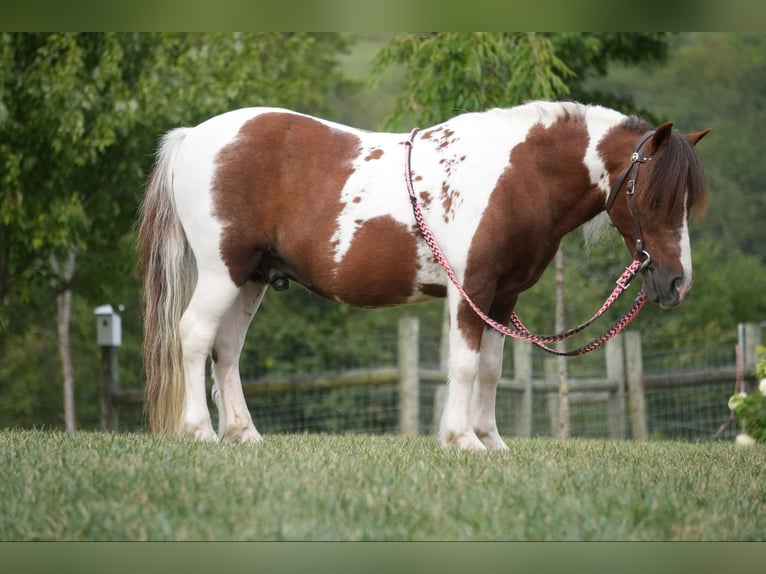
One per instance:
(599,121)
(686,253)
(470,166)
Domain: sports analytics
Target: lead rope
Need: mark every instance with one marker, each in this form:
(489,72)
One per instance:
(520,331)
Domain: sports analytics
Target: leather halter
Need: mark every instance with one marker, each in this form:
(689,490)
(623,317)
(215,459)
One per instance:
(631,174)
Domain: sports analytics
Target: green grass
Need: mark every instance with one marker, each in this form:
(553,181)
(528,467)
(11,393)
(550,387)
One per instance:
(94,486)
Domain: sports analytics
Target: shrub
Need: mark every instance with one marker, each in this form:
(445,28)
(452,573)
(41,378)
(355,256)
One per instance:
(751,408)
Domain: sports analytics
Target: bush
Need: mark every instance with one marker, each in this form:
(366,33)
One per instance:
(751,408)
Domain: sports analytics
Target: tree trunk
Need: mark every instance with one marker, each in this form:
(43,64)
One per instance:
(65,271)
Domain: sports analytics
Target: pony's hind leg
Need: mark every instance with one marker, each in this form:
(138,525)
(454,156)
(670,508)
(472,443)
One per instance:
(234,420)
(213,295)
(485,390)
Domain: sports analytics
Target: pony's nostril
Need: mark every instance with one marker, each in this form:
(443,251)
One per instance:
(681,286)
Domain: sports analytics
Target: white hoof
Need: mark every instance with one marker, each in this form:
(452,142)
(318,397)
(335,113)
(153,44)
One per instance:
(243,435)
(200,433)
(492,440)
(463,441)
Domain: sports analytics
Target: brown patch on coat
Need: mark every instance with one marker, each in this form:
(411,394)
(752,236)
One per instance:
(374,154)
(445,139)
(433,290)
(277,191)
(380,266)
(427,135)
(536,201)
(450,199)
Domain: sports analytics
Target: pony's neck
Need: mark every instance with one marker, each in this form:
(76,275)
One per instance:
(584,207)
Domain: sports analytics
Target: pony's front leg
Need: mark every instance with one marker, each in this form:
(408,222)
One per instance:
(485,390)
(456,427)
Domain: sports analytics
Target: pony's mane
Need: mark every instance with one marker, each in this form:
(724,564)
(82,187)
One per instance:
(547,112)
(676,171)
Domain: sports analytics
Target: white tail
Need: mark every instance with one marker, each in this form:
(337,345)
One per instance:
(170,274)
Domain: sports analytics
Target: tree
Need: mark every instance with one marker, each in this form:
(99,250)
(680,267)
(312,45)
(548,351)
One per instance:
(449,73)
(452,72)
(57,117)
(79,119)
(592,55)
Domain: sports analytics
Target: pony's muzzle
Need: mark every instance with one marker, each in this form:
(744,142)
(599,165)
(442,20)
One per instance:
(668,292)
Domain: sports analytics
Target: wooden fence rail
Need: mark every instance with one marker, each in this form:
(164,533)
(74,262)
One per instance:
(624,379)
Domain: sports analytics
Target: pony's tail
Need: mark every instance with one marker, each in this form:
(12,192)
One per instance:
(170,275)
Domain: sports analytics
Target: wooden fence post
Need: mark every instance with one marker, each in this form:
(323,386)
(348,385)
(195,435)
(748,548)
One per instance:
(551,367)
(635,375)
(522,372)
(409,382)
(752,336)
(440,394)
(109,389)
(615,372)
(109,337)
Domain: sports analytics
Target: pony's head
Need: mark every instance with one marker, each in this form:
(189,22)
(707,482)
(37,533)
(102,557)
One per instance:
(654,192)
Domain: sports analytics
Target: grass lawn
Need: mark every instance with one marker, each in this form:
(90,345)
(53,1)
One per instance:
(95,486)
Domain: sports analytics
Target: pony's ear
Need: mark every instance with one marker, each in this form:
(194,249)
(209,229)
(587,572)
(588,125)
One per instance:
(661,135)
(697,136)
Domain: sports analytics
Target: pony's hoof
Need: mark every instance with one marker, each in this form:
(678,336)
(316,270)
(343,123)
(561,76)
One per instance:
(247,435)
(198,432)
(463,441)
(205,436)
(492,440)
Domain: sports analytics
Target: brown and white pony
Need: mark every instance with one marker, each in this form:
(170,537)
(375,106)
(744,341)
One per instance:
(261,196)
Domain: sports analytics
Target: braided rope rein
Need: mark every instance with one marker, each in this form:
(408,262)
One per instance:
(520,331)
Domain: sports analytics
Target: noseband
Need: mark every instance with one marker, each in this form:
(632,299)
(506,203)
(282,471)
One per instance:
(631,174)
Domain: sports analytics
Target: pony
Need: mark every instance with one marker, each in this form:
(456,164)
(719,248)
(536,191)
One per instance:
(259,197)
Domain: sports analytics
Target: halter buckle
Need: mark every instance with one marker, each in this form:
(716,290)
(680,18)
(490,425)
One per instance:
(647,259)
(638,158)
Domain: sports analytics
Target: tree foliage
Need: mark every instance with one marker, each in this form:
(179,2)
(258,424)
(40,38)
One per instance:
(449,73)
(79,118)
(80,115)
(452,72)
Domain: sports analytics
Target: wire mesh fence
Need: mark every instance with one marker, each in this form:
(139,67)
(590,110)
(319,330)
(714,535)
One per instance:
(692,413)
(674,411)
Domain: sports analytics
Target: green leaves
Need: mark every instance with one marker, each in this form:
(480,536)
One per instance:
(80,115)
(452,72)
(751,408)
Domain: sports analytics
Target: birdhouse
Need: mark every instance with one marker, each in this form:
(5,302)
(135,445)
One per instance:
(108,326)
